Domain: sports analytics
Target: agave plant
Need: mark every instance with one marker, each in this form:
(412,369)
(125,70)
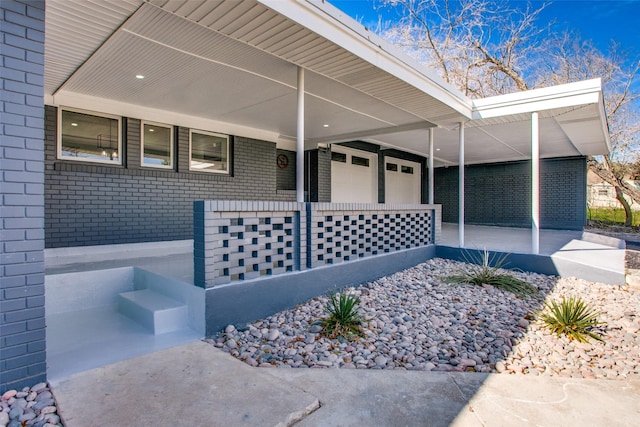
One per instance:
(342,318)
(488,269)
(573,318)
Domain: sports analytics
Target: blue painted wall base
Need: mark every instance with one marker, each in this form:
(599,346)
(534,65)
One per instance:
(244,302)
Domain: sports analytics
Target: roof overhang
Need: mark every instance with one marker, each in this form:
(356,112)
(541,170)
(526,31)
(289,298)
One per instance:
(230,66)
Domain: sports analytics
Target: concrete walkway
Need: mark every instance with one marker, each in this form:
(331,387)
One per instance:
(197,384)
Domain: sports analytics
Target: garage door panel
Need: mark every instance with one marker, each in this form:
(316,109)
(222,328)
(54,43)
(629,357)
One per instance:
(402,181)
(354,176)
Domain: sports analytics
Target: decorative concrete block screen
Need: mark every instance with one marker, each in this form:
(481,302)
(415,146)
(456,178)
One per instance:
(344,231)
(243,240)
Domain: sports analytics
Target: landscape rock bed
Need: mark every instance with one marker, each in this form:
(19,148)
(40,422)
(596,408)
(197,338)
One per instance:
(415,321)
(32,406)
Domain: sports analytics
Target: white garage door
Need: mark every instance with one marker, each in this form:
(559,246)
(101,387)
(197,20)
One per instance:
(354,176)
(402,181)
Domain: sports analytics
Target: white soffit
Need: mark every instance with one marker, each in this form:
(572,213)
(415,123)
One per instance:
(306,34)
(577,108)
(235,62)
(69,40)
(184,64)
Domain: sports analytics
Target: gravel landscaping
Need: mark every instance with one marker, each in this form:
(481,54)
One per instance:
(32,406)
(415,321)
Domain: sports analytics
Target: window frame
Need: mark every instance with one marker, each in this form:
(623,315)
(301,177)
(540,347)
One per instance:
(204,132)
(406,169)
(337,156)
(171,164)
(60,156)
(360,161)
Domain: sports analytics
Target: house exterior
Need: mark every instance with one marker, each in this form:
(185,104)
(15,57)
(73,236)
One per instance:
(122,114)
(601,194)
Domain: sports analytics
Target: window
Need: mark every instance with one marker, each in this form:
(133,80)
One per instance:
(209,152)
(359,161)
(89,137)
(157,145)
(392,167)
(407,169)
(338,157)
(604,192)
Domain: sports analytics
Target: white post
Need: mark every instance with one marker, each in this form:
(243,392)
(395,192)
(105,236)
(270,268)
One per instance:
(431,171)
(535,185)
(461,186)
(300,139)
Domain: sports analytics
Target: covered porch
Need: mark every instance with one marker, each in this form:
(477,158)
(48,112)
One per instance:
(271,78)
(103,335)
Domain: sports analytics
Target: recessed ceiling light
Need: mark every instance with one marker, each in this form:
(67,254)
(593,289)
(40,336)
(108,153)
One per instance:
(74,124)
(437,149)
(325,126)
(152,130)
(139,76)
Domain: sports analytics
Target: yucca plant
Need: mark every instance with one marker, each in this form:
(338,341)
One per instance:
(572,317)
(486,269)
(342,318)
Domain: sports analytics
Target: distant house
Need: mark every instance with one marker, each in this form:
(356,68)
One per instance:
(601,194)
(281,136)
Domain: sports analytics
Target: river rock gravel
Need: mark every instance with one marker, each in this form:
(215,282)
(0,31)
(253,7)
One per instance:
(415,321)
(32,406)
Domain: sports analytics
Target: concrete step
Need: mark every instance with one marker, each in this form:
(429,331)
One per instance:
(158,313)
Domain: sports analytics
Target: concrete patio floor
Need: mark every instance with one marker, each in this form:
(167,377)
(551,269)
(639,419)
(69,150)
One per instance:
(581,254)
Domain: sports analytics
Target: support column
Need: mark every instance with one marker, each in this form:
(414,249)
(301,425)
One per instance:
(535,185)
(300,139)
(22,312)
(431,171)
(461,186)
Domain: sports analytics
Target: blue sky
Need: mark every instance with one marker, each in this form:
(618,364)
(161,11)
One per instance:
(597,20)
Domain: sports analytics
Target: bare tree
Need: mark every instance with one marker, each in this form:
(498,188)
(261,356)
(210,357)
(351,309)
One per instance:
(483,47)
(571,59)
(489,47)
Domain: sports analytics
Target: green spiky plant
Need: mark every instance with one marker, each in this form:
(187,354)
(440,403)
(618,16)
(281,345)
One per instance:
(342,318)
(488,269)
(572,317)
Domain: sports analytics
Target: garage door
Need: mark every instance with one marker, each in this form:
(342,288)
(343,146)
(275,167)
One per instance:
(354,176)
(402,181)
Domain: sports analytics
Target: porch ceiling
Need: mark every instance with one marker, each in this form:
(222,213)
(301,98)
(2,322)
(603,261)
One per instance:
(235,63)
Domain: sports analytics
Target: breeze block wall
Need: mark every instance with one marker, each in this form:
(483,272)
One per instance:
(22,322)
(94,204)
(500,194)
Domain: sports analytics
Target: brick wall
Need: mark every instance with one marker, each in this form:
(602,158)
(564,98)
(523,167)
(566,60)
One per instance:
(286,176)
(324,176)
(93,204)
(22,323)
(500,194)
(317,177)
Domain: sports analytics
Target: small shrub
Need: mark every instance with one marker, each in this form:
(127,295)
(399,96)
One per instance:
(486,269)
(342,318)
(573,318)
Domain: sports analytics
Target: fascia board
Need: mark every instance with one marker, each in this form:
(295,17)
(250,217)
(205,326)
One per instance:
(102,105)
(604,123)
(328,22)
(573,94)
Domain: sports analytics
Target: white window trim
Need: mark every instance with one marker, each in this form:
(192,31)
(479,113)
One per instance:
(204,132)
(171,144)
(59,155)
